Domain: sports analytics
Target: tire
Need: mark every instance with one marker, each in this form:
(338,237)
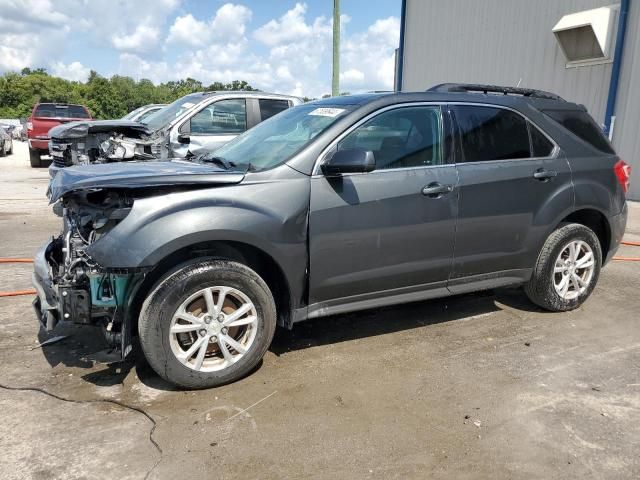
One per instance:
(34,158)
(158,319)
(546,285)
(3,152)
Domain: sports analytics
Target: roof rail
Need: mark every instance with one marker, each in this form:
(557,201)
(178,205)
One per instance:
(470,87)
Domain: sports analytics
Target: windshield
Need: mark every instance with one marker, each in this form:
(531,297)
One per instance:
(274,141)
(132,114)
(163,117)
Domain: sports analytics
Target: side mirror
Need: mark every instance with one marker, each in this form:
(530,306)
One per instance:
(184,138)
(349,161)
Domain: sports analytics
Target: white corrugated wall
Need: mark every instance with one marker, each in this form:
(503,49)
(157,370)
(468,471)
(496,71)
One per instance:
(509,41)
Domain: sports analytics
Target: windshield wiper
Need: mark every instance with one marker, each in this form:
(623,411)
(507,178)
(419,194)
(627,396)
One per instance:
(227,165)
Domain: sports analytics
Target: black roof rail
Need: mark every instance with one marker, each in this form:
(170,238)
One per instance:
(470,87)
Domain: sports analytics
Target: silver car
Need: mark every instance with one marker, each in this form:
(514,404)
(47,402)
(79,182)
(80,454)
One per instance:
(195,124)
(6,143)
(141,113)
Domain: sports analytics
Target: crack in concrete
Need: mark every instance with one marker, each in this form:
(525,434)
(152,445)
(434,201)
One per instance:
(100,400)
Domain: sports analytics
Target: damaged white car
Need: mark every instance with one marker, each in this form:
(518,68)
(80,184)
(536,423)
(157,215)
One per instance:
(195,124)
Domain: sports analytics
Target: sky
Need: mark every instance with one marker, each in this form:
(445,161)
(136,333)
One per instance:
(278,45)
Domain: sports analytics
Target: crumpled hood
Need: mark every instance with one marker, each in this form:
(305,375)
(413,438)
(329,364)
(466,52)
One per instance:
(71,130)
(139,175)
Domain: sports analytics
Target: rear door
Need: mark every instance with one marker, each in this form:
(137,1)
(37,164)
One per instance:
(385,233)
(514,182)
(212,126)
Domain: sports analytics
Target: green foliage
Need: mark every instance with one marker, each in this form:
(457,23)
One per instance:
(105,97)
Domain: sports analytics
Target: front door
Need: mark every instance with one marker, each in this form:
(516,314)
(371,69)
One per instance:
(390,231)
(211,127)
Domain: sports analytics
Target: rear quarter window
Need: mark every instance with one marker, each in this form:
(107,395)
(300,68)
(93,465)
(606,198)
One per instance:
(583,126)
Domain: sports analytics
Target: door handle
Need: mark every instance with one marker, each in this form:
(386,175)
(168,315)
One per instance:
(543,175)
(434,190)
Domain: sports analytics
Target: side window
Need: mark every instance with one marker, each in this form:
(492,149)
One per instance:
(269,107)
(400,138)
(541,146)
(221,117)
(488,133)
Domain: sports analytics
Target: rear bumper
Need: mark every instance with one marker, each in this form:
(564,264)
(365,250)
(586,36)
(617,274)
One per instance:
(39,145)
(618,224)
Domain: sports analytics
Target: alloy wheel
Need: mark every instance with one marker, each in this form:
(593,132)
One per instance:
(213,328)
(573,270)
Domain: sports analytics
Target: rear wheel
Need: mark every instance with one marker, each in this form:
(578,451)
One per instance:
(207,323)
(3,152)
(567,269)
(34,158)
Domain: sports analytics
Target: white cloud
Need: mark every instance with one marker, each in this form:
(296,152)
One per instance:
(371,54)
(137,68)
(290,27)
(75,71)
(230,21)
(352,76)
(290,53)
(228,24)
(189,31)
(144,38)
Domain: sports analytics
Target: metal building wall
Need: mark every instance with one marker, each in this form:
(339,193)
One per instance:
(504,42)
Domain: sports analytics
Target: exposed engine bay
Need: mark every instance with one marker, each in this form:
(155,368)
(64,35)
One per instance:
(86,293)
(87,143)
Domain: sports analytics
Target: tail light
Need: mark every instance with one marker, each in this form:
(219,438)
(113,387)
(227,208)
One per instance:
(623,173)
(29,126)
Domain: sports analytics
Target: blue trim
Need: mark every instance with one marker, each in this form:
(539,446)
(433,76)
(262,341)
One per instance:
(400,68)
(617,65)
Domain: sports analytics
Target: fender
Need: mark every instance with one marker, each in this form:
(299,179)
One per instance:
(158,226)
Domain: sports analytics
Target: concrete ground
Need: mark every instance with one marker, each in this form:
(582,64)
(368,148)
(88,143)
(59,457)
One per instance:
(475,386)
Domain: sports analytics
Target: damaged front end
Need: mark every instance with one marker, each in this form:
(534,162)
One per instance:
(83,143)
(70,285)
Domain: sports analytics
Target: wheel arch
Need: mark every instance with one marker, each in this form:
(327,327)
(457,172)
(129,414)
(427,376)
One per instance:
(255,258)
(595,220)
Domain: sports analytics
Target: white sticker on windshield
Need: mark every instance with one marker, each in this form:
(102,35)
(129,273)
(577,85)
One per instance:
(327,112)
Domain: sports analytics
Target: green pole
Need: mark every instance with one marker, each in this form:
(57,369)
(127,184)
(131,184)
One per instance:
(335,80)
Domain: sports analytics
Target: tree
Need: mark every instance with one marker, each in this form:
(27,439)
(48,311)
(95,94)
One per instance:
(105,97)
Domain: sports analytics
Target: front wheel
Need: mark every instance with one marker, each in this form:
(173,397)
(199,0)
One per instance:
(567,269)
(207,323)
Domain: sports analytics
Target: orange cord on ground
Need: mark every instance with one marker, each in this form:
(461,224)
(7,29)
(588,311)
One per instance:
(17,293)
(32,292)
(628,259)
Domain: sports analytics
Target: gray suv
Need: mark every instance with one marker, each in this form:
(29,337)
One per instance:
(334,206)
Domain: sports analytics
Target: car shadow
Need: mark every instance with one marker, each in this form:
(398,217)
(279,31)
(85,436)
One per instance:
(396,318)
(85,348)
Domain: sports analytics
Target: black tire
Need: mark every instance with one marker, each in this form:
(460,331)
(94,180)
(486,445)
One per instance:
(3,152)
(34,158)
(172,290)
(540,289)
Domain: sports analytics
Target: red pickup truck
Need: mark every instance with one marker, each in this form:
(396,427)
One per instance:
(44,117)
